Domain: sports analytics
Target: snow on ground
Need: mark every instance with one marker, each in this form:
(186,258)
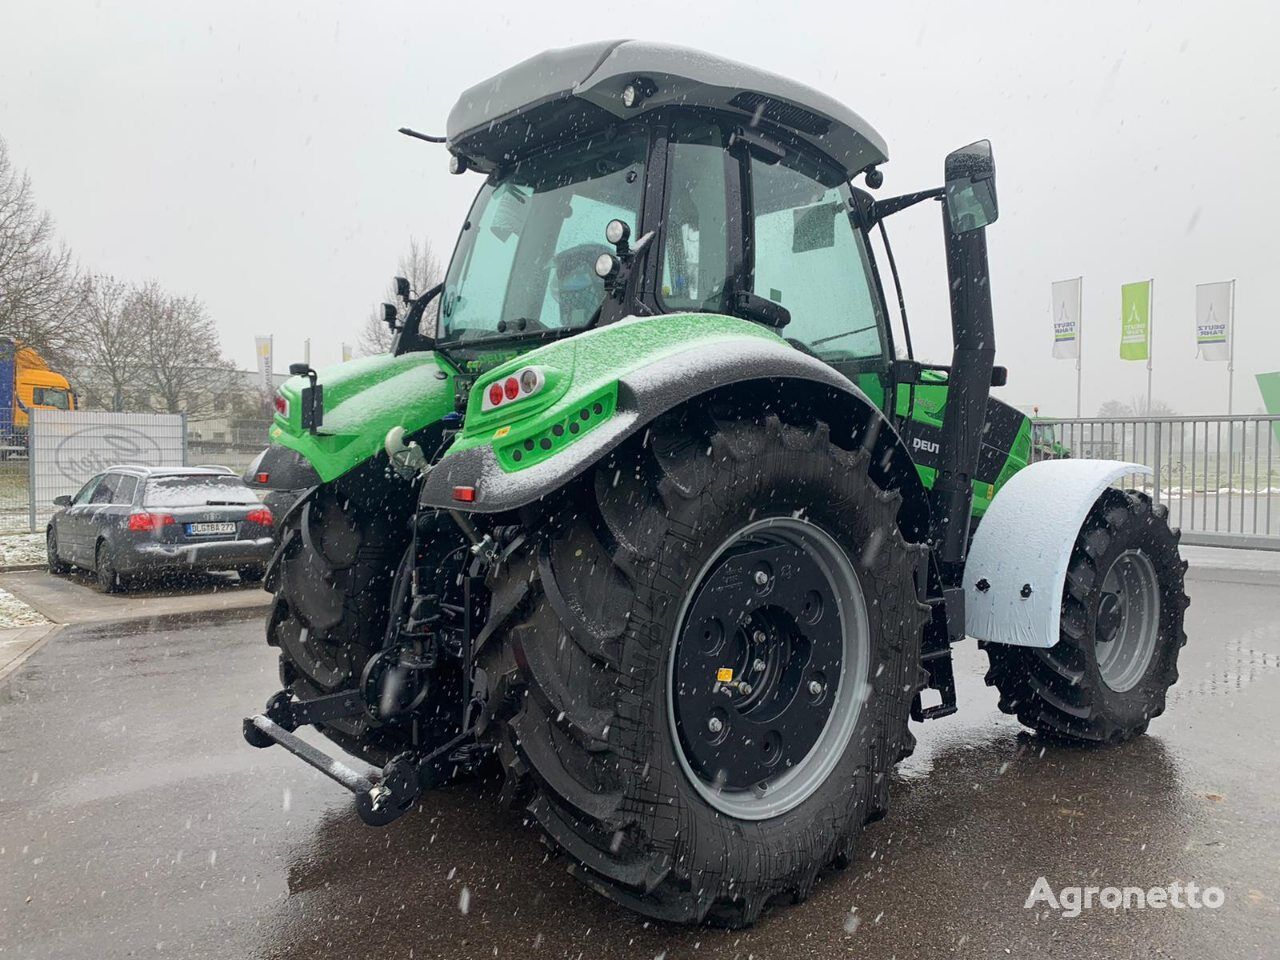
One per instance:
(21,549)
(15,613)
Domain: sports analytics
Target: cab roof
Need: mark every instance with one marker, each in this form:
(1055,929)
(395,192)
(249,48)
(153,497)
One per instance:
(570,91)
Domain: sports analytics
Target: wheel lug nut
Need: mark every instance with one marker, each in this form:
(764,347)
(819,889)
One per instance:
(762,578)
(759,636)
(744,688)
(715,724)
(757,666)
(815,688)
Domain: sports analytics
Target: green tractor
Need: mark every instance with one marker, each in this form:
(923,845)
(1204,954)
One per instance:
(651,518)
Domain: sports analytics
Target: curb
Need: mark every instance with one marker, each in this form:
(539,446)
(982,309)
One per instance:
(185,618)
(11,667)
(23,567)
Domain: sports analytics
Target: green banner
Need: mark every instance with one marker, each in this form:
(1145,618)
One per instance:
(1269,387)
(1135,320)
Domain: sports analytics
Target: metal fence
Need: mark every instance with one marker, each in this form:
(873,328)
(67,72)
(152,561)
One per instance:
(1219,476)
(66,449)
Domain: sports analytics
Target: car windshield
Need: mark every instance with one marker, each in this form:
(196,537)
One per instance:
(525,262)
(50,397)
(197,490)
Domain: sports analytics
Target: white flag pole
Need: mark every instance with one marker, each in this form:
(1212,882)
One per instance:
(1231,349)
(1079,338)
(1151,322)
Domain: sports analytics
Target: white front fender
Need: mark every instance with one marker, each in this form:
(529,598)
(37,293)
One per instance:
(1023,546)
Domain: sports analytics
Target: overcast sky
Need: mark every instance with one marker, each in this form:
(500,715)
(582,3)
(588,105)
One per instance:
(246,153)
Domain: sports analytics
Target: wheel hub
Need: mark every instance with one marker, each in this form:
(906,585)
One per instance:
(764,666)
(1129,613)
(1110,614)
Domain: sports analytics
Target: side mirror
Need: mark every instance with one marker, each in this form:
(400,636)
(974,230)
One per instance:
(970,191)
(62,501)
(403,289)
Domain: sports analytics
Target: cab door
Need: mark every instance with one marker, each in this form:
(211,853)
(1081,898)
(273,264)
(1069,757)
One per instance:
(806,253)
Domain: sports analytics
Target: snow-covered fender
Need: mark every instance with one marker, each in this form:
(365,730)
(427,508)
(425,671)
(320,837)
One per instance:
(609,383)
(1017,565)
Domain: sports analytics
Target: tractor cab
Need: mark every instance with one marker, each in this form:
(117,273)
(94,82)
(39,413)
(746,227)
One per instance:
(727,195)
(627,179)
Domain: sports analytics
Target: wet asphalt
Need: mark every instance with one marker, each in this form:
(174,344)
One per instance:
(135,822)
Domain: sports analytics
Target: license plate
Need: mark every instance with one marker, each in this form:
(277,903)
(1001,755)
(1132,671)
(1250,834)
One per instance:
(197,528)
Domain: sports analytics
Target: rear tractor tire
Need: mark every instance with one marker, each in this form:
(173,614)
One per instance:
(1121,631)
(710,664)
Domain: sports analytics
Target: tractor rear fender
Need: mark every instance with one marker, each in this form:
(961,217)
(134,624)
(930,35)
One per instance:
(753,370)
(1017,566)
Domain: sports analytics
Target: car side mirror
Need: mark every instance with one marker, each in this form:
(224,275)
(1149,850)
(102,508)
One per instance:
(62,501)
(970,191)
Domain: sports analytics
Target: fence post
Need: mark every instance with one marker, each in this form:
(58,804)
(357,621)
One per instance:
(1155,479)
(31,469)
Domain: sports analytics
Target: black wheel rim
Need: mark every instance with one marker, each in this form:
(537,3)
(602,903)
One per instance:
(768,670)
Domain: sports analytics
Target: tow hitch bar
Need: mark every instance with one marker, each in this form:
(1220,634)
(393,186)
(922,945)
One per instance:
(379,800)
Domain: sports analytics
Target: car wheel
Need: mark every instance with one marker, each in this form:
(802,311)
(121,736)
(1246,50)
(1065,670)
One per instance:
(105,568)
(56,565)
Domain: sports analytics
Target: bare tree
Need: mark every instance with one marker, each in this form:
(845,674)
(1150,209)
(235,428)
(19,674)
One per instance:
(38,289)
(182,368)
(105,358)
(1136,407)
(424,270)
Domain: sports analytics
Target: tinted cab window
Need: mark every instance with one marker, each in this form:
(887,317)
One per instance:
(695,259)
(809,257)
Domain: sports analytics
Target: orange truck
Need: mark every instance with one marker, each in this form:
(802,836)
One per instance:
(26,382)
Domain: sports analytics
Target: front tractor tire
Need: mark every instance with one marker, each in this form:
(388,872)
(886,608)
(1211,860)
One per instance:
(1121,631)
(713,647)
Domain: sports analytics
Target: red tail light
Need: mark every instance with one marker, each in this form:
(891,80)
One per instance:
(523,383)
(282,406)
(261,516)
(147,522)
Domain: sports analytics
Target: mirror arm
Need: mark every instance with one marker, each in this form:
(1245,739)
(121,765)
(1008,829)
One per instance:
(891,205)
(409,335)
